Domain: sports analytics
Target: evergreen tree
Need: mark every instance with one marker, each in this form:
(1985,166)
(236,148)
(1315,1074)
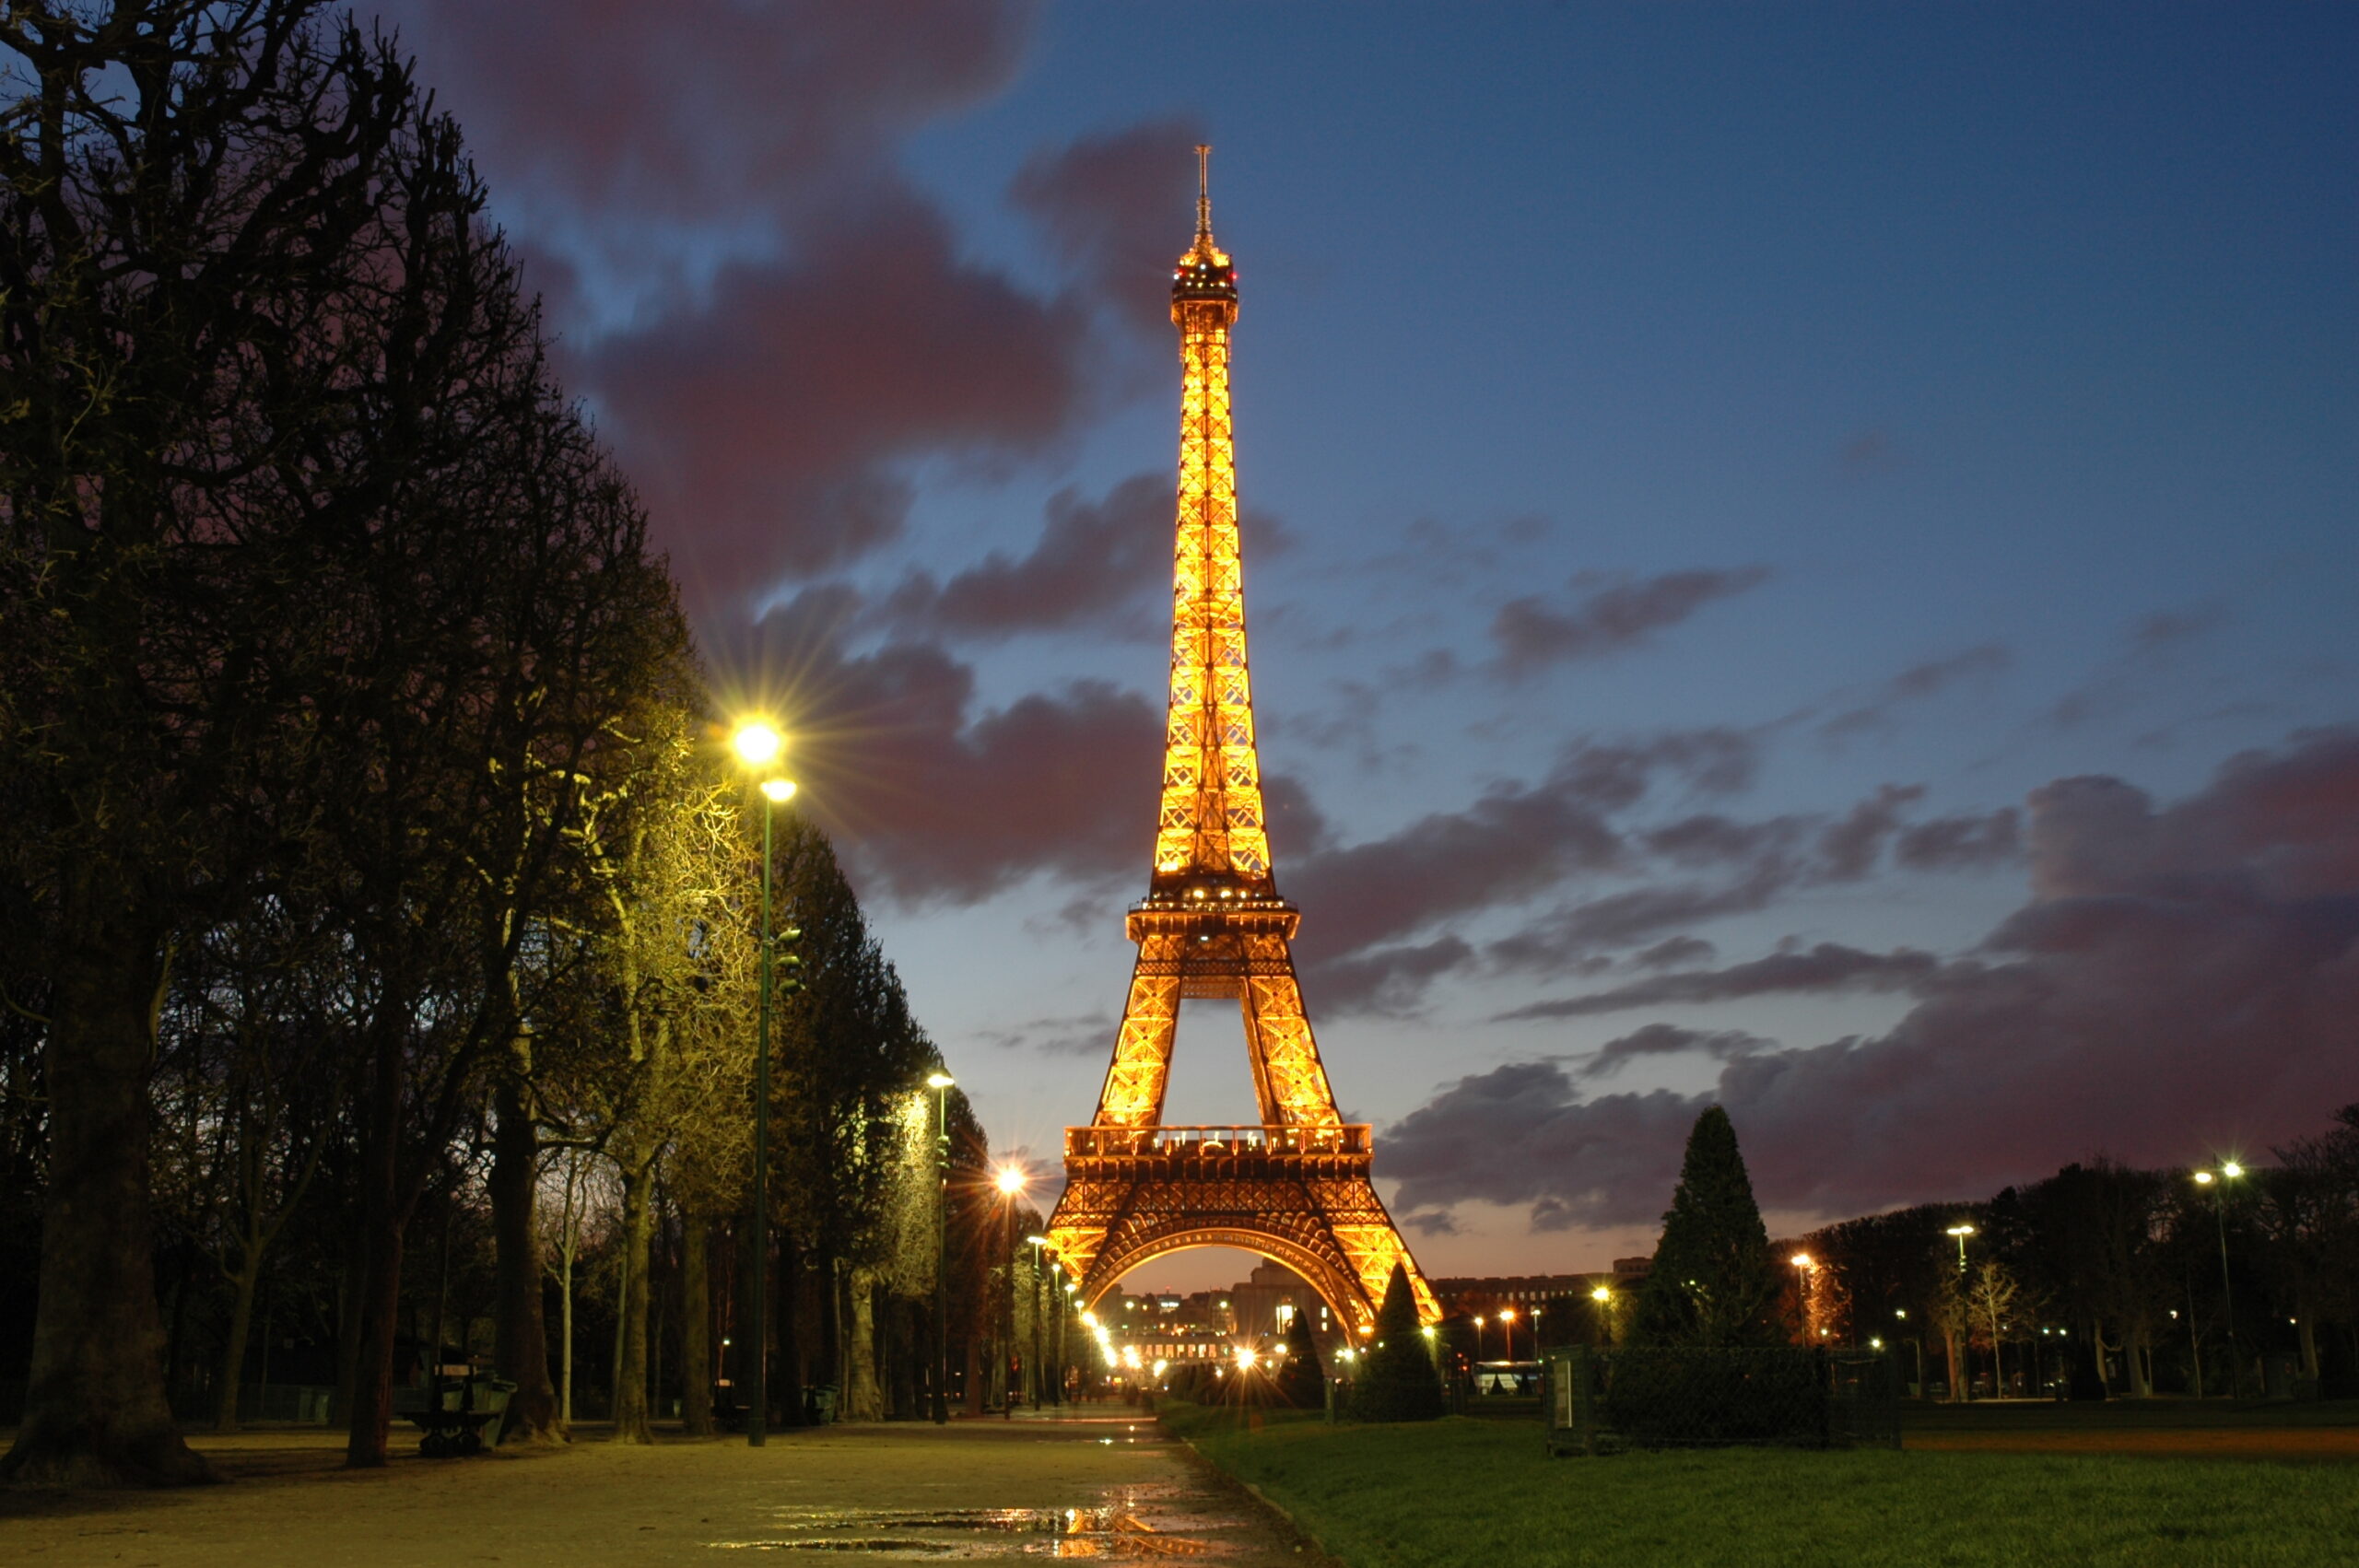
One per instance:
(1713,1282)
(1397,1380)
(1300,1383)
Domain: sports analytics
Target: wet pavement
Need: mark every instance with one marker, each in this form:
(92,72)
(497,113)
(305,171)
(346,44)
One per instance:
(1107,1486)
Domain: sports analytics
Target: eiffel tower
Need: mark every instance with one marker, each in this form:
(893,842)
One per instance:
(1294,1186)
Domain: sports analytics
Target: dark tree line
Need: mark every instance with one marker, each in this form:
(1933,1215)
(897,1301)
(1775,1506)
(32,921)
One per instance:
(2102,1280)
(371,849)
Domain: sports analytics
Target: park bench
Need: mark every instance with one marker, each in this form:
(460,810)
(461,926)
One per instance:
(460,1415)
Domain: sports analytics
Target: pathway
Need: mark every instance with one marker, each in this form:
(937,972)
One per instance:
(1104,1486)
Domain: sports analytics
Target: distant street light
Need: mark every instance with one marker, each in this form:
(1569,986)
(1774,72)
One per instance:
(1604,1299)
(1800,1260)
(1478,1344)
(757,745)
(2229,1171)
(1507,1327)
(941,1082)
(1960,1232)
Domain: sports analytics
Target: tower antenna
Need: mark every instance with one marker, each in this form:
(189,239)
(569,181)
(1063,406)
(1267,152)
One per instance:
(1204,190)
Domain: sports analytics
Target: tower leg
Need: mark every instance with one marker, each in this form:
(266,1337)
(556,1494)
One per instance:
(1134,1082)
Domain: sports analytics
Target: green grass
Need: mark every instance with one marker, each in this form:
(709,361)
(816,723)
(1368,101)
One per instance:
(1461,1491)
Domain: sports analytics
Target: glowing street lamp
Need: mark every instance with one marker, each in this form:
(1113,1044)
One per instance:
(1802,1265)
(1478,1338)
(1960,1232)
(941,1084)
(2218,1182)
(1010,1182)
(1604,1299)
(1507,1327)
(757,745)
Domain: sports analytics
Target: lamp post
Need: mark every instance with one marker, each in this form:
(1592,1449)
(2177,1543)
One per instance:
(1604,1299)
(1478,1352)
(1011,1184)
(1959,1233)
(1039,1379)
(1800,1260)
(1507,1327)
(757,745)
(940,1084)
(2218,1182)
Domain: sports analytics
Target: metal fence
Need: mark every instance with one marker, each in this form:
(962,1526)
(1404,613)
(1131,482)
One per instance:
(1601,1401)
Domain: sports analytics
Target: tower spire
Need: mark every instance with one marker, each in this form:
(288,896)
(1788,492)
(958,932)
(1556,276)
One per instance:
(1203,194)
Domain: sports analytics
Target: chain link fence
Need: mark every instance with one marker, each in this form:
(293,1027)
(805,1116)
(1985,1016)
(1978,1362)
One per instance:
(1601,1401)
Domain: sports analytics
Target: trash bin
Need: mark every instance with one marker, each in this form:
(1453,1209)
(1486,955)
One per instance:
(819,1403)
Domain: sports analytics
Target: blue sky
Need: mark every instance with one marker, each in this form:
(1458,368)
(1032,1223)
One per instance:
(1819,416)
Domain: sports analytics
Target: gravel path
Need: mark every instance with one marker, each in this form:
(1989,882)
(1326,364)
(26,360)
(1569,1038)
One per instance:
(1110,1488)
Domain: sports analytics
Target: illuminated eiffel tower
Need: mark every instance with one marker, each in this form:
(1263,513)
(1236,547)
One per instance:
(1294,1187)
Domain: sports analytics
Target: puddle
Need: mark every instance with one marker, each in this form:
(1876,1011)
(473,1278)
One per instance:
(1141,1524)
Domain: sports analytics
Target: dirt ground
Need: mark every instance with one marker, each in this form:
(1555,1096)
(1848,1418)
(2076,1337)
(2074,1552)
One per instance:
(1105,1487)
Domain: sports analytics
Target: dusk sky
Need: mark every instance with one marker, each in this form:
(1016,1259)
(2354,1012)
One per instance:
(1797,555)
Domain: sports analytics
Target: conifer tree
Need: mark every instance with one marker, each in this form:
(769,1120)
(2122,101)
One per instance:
(1300,1383)
(1397,1381)
(1713,1282)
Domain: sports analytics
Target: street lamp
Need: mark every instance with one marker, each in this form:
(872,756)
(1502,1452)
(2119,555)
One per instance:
(2218,1182)
(1507,1327)
(1960,1232)
(1010,1182)
(1040,1315)
(1478,1344)
(757,746)
(1604,1299)
(1800,1260)
(940,1083)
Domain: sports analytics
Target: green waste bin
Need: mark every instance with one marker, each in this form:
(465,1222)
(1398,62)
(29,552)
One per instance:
(819,1403)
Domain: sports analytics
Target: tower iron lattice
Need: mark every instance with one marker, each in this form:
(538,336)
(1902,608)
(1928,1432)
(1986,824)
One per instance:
(1295,1187)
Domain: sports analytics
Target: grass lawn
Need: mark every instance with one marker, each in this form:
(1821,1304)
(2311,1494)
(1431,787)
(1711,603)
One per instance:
(1481,1493)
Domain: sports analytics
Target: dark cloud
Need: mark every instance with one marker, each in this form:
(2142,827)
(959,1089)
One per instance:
(629,109)
(1961,843)
(1916,683)
(1828,966)
(1849,848)
(2182,981)
(1118,206)
(1668,1039)
(1390,981)
(762,423)
(2165,628)
(1085,1033)
(1513,842)
(1672,952)
(1534,633)
(1094,565)
(933,799)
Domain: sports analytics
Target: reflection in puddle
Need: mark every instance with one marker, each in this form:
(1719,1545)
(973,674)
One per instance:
(1138,1525)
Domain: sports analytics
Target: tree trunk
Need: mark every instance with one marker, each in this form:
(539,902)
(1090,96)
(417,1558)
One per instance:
(863,1399)
(96,1410)
(696,1325)
(974,1374)
(831,1274)
(347,1336)
(630,1368)
(1951,1338)
(786,1363)
(519,1338)
(233,1347)
(382,1225)
(901,1358)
